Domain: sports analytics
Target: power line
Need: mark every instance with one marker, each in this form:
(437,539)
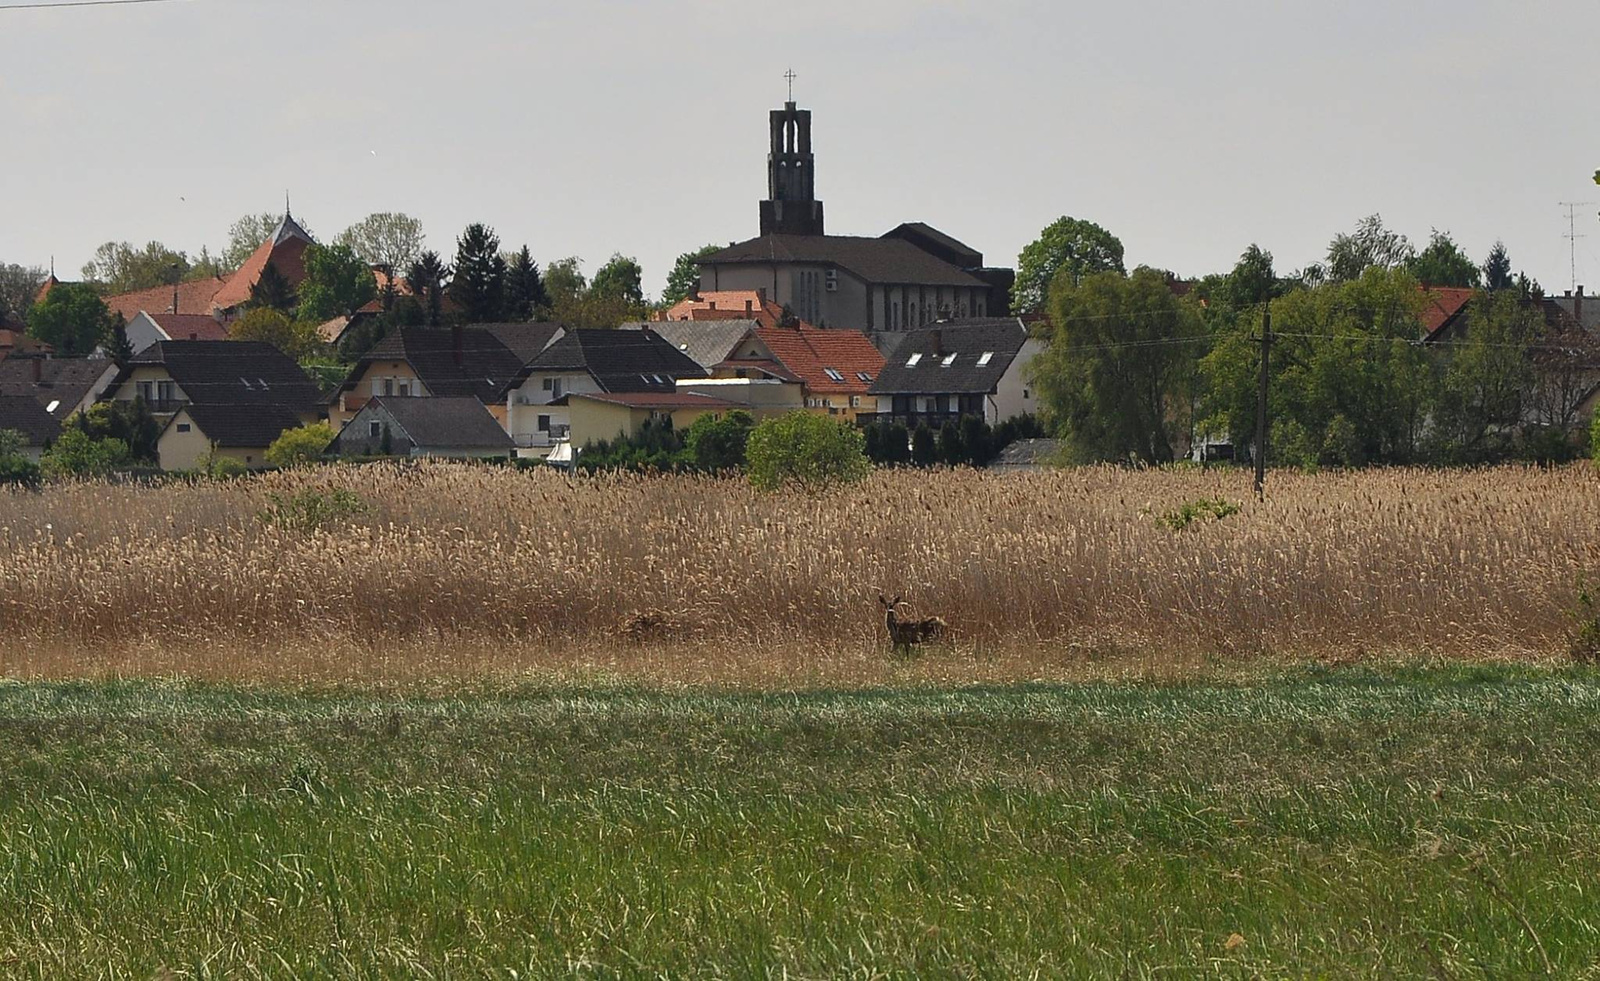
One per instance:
(47,4)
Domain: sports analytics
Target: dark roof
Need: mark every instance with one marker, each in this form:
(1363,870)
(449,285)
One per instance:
(232,373)
(445,423)
(875,260)
(1030,454)
(242,426)
(968,341)
(526,341)
(26,416)
(618,360)
(487,365)
(708,342)
(67,381)
(930,239)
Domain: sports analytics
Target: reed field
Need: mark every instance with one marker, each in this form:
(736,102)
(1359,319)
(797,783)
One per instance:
(450,571)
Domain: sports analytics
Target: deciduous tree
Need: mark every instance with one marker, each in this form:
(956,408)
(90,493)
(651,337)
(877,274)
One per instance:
(19,288)
(1080,248)
(805,450)
(388,239)
(338,283)
(1443,263)
(71,318)
(119,267)
(685,276)
(246,235)
(298,340)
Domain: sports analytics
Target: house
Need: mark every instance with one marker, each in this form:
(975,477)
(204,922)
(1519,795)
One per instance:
(909,277)
(201,431)
(957,369)
(146,329)
(835,368)
(590,362)
(725,305)
(64,386)
(435,362)
(38,428)
(595,416)
(1584,310)
(455,428)
(169,375)
(709,342)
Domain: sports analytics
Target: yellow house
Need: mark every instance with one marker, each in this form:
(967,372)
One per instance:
(606,415)
(169,375)
(196,433)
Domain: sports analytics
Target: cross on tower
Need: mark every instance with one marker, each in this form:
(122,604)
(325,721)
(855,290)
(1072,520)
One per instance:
(791,76)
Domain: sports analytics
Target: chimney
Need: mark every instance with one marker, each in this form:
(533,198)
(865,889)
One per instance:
(938,343)
(1577,306)
(458,338)
(749,307)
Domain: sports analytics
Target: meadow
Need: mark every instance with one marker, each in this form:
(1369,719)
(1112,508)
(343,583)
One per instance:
(446,570)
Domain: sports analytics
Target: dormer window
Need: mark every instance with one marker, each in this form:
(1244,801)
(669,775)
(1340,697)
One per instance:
(263,383)
(246,383)
(863,376)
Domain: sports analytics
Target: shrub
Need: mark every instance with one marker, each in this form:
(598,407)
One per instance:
(1206,508)
(16,470)
(131,422)
(77,454)
(952,452)
(717,443)
(1586,639)
(807,450)
(924,452)
(311,510)
(656,447)
(298,447)
(1594,438)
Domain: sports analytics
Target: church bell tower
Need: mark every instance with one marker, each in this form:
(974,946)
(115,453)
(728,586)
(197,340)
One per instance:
(791,207)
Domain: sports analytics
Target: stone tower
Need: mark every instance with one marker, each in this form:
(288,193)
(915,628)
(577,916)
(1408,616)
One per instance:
(791,207)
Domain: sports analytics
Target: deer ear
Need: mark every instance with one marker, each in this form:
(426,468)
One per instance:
(895,603)
(882,601)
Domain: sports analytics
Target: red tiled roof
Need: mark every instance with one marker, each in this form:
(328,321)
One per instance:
(16,342)
(1443,305)
(658,400)
(728,305)
(190,326)
(45,289)
(808,352)
(288,255)
(194,297)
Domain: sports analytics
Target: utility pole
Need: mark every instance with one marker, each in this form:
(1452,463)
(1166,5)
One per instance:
(1261,405)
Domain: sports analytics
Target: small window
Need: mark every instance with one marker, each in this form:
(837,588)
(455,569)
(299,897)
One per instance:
(53,406)
(405,389)
(246,383)
(855,401)
(263,383)
(249,459)
(949,360)
(375,429)
(388,386)
(1027,394)
(548,384)
(834,374)
(914,360)
(987,357)
(183,427)
(544,424)
(658,379)
(864,376)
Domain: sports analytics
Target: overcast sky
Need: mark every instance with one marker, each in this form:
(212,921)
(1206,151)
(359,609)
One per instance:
(1190,128)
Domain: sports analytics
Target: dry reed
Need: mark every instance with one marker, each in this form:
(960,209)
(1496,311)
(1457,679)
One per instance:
(460,570)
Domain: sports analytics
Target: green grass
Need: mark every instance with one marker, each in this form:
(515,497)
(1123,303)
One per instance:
(1405,823)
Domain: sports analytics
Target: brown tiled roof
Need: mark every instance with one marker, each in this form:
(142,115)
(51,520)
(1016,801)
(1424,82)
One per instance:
(288,255)
(194,297)
(190,326)
(16,342)
(728,305)
(772,368)
(1443,305)
(811,352)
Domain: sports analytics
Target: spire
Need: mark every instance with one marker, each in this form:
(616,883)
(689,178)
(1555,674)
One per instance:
(287,214)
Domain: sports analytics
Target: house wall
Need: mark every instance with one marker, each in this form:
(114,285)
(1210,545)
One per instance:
(593,421)
(143,332)
(761,397)
(378,378)
(786,285)
(526,403)
(909,307)
(1016,395)
(356,439)
(179,450)
(129,389)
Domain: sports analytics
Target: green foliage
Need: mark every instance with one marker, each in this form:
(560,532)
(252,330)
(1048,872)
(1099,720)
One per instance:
(273,291)
(656,448)
(221,467)
(613,298)
(1068,250)
(19,287)
(717,443)
(685,276)
(1120,365)
(526,299)
(297,339)
(119,268)
(1585,647)
(479,285)
(71,318)
(924,446)
(620,279)
(429,278)
(386,239)
(118,348)
(299,447)
(246,235)
(77,454)
(1371,245)
(1443,263)
(338,283)
(1594,438)
(128,422)
(1485,384)
(805,450)
(314,510)
(1497,269)
(1205,509)
(951,451)
(16,470)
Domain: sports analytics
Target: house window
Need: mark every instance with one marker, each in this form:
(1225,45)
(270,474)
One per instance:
(405,389)
(1027,394)
(949,360)
(183,427)
(855,401)
(914,360)
(833,373)
(864,376)
(987,357)
(375,429)
(388,386)
(544,424)
(549,384)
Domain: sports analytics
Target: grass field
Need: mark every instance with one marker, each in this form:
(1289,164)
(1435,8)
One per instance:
(1439,821)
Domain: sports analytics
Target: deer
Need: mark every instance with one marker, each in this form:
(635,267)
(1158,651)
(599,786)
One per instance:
(907,633)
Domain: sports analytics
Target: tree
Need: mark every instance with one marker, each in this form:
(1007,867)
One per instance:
(924,446)
(119,268)
(1497,269)
(620,279)
(952,452)
(299,340)
(1081,248)
(77,454)
(272,291)
(19,287)
(300,447)
(205,266)
(129,423)
(429,278)
(71,318)
(685,276)
(805,450)
(246,235)
(387,239)
(1443,263)
(1118,366)
(564,281)
(479,286)
(525,296)
(1371,244)
(337,283)
(1488,379)
(717,443)
(118,347)
(16,470)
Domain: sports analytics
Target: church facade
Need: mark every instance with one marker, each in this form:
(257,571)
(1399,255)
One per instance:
(910,277)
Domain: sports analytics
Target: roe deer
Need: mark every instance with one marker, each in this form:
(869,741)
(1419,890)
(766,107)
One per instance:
(907,633)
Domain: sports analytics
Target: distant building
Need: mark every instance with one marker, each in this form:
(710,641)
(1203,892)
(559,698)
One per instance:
(146,329)
(726,305)
(941,373)
(199,432)
(63,386)
(452,428)
(171,375)
(908,278)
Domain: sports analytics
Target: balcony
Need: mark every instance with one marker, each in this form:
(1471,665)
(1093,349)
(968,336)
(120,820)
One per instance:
(542,440)
(165,407)
(934,420)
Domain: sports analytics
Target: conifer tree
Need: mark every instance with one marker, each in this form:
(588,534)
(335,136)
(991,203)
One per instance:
(272,290)
(525,294)
(479,286)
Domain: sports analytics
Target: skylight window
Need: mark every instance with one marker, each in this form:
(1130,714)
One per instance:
(988,356)
(263,383)
(246,382)
(863,376)
(53,406)
(949,360)
(914,360)
(834,374)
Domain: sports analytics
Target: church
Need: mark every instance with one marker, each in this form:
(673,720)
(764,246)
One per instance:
(913,276)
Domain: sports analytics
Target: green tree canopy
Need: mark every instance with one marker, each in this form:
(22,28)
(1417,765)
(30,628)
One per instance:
(525,293)
(1443,263)
(620,279)
(1372,244)
(805,450)
(118,267)
(717,443)
(1080,248)
(1488,380)
(1119,364)
(338,283)
(429,278)
(300,447)
(479,286)
(71,318)
(77,454)
(246,235)
(299,340)
(273,291)
(685,276)
(129,423)
(19,287)
(388,239)
(1497,269)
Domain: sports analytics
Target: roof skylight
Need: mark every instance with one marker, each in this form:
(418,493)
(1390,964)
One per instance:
(914,360)
(988,356)
(949,360)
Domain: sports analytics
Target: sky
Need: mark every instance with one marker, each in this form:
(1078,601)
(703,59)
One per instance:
(1189,128)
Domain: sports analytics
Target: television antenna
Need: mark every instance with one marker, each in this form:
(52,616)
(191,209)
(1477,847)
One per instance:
(1572,235)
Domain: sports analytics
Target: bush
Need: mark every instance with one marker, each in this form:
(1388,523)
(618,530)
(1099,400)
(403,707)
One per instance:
(952,452)
(312,510)
(16,470)
(222,467)
(77,454)
(298,447)
(806,450)
(1594,438)
(1204,509)
(717,444)
(130,422)
(657,447)
(924,452)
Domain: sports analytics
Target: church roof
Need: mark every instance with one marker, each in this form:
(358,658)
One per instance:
(285,248)
(890,261)
(952,250)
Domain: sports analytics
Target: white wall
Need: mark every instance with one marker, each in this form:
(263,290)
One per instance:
(1015,395)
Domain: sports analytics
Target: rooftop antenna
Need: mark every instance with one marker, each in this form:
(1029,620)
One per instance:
(791,76)
(1572,235)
